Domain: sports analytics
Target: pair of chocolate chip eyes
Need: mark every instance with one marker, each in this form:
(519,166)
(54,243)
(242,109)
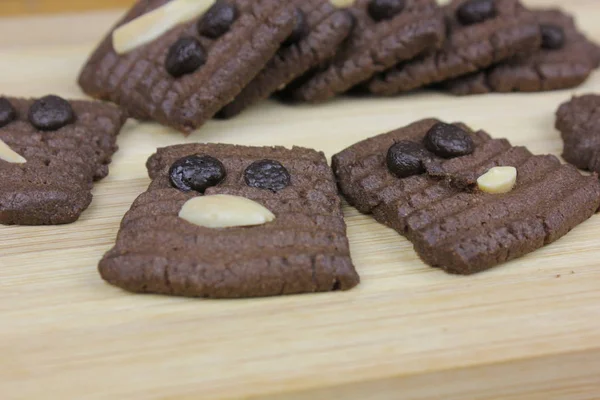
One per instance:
(469,13)
(407,158)
(187,54)
(477,11)
(46,114)
(200,172)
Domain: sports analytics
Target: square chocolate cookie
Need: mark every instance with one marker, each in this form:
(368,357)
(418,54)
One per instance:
(480,33)
(179,62)
(565,60)
(319,32)
(226,221)
(385,33)
(466,201)
(51,150)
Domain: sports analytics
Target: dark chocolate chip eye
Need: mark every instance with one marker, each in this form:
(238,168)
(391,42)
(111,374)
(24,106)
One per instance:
(405,159)
(7,112)
(217,20)
(380,10)
(448,141)
(268,175)
(301,29)
(51,113)
(475,11)
(185,56)
(553,37)
(196,173)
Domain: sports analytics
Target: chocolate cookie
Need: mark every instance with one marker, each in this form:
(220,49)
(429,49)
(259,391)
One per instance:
(480,33)
(565,59)
(51,150)
(226,221)
(186,75)
(439,208)
(320,30)
(578,121)
(385,33)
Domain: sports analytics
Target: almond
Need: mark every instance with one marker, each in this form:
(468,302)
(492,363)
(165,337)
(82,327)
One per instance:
(152,25)
(498,180)
(224,211)
(7,154)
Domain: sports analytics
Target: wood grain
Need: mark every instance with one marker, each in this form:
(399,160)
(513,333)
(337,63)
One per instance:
(22,7)
(526,330)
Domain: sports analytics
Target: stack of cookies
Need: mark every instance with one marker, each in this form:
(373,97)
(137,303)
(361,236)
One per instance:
(183,62)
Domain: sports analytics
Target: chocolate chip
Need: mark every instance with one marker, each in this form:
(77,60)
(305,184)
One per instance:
(380,10)
(405,159)
(51,113)
(448,141)
(553,37)
(475,11)
(7,112)
(185,56)
(196,173)
(268,175)
(217,20)
(301,29)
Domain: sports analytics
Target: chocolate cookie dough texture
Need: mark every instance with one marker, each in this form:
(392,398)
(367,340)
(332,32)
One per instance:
(51,151)
(386,32)
(465,212)
(565,59)
(226,221)
(578,121)
(320,29)
(480,33)
(179,62)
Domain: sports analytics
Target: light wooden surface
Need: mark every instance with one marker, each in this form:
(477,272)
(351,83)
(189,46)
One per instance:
(22,7)
(526,330)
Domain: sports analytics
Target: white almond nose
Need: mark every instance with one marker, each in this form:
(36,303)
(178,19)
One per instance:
(224,211)
(157,22)
(498,180)
(9,155)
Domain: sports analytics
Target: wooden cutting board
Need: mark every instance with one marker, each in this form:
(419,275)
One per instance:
(21,7)
(527,330)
